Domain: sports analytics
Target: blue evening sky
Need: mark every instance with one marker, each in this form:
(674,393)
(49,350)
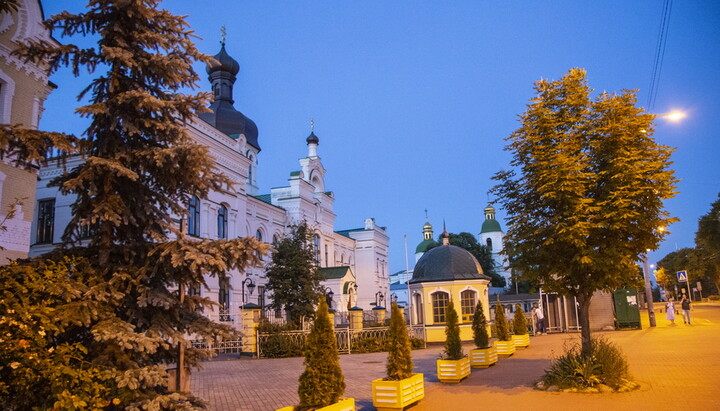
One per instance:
(412,100)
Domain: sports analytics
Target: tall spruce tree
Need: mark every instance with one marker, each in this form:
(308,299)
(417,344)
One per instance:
(131,317)
(322,383)
(585,195)
(293,276)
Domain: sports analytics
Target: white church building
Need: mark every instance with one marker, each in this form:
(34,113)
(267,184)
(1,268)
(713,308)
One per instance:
(354,260)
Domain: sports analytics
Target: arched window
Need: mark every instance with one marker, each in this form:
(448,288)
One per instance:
(327,260)
(489,243)
(193,228)
(418,309)
(222,222)
(224,299)
(440,302)
(276,239)
(259,236)
(467,304)
(316,248)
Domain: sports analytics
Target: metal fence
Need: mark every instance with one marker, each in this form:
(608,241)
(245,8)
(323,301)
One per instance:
(223,347)
(348,340)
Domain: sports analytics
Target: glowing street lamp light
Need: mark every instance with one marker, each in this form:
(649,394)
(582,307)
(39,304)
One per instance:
(674,116)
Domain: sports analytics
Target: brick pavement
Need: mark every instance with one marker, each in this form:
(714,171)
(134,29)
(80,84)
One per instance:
(677,367)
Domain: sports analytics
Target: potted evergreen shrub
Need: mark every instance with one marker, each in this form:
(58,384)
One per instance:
(401,387)
(454,366)
(484,355)
(520,337)
(322,383)
(504,346)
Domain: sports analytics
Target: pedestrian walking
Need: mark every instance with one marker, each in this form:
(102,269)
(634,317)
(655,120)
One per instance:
(685,303)
(539,317)
(670,311)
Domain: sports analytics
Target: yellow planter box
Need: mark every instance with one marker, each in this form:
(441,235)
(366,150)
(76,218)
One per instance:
(345,404)
(453,370)
(483,357)
(505,348)
(396,395)
(521,341)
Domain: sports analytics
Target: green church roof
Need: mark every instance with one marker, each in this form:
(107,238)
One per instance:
(423,247)
(490,226)
(331,273)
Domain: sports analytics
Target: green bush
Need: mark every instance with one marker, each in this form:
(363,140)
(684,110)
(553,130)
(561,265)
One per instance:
(501,325)
(367,345)
(606,364)
(520,326)
(479,327)
(399,365)
(453,345)
(714,298)
(417,343)
(322,383)
(282,346)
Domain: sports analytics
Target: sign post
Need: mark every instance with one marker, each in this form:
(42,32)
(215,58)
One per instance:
(683,278)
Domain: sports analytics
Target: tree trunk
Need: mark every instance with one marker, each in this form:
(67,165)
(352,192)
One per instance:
(584,317)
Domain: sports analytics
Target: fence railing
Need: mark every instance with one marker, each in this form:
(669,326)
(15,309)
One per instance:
(223,347)
(348,340)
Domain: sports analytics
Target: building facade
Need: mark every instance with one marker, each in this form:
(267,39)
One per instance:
(24,86)
(360,254)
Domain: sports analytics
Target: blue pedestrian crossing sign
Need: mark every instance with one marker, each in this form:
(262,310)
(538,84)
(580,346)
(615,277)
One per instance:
(682,276)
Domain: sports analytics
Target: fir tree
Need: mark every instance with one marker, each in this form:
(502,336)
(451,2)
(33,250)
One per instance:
(399,365)
(140,169)
(479,327)
(293,275)
(501,325)
(519,321)
(322,383)
(453,345)
(585,195)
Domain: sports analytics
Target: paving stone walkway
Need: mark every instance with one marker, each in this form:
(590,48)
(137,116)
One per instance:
(678,368)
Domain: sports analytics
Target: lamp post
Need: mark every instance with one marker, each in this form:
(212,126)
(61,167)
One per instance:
(648,291)
(379,297)
(329,297)
(394,297)
(251,288)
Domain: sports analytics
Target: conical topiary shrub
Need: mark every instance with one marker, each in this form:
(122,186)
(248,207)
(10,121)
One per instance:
(399,365)
(322,383)
(503,333)
(519,321)
(479,327)
(453,345)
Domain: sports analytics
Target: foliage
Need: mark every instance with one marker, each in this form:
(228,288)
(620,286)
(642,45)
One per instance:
(400,364)
(127,316)
(293,277)
(501,325)
(322,383)
(479,327)
(606,364)
(453,345)
(585,195)
(707,242)
(520,325)
(279,345)
(483,254)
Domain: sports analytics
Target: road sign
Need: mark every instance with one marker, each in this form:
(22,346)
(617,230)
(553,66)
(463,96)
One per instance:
(682,276)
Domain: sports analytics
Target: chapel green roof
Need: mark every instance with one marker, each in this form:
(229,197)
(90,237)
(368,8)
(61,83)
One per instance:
(425,245)
(490,226)
(333,273)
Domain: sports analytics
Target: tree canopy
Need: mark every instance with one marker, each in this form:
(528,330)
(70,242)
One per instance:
(585,192)
(707,242)
(483,254)
(293,276)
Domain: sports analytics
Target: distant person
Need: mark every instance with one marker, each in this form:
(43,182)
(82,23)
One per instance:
(670,311)
(539,320)
(685,303)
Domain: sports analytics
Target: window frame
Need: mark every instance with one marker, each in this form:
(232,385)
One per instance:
(467,306)
(440,301)
(45,229)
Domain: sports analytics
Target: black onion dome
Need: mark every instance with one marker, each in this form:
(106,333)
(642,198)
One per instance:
(312,138)
(447,263)
(224,63)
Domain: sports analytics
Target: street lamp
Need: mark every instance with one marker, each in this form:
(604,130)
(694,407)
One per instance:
(648,291)
(394,297)
(250,287)
(379,297)
(329,297)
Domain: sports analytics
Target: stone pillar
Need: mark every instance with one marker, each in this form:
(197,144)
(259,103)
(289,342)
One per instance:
(250,323)
(331,317)
(356,318)
(380,314)
(402,311)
